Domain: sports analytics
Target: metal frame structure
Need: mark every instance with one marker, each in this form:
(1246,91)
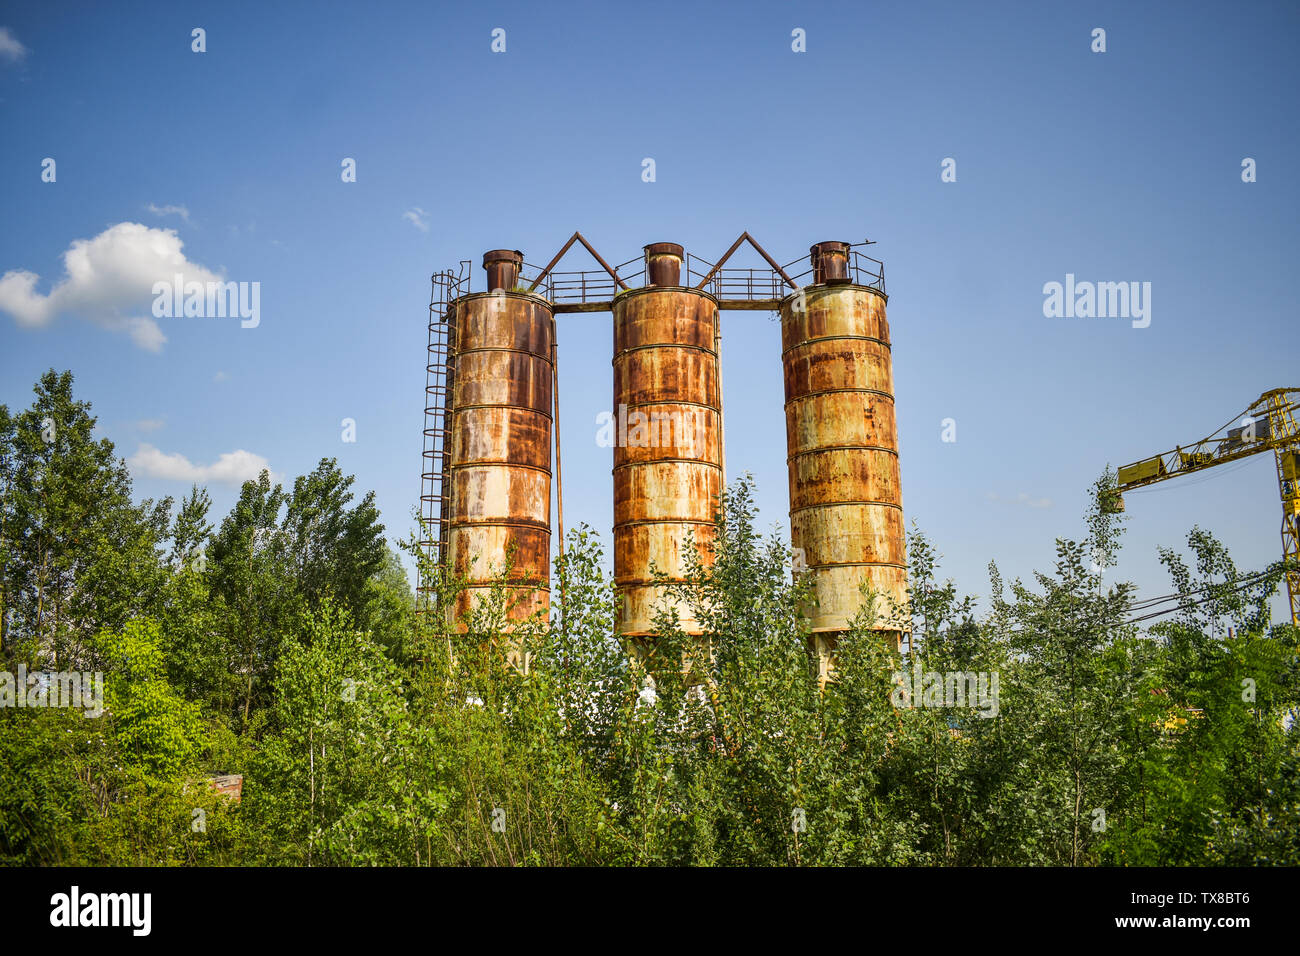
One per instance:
(1269,424)
(761,289)
(735,289)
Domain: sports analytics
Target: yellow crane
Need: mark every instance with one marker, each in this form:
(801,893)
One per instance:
(1269,424)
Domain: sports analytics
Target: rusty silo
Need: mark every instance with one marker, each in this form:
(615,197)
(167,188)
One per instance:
(668,454)
(499,462)
(846,509)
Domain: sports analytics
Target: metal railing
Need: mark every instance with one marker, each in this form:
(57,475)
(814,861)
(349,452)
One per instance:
(580,287)
(697,269)
(590,286)
(747,285)
(633,280)
(727,284)
(864,270)
(596,286)
(528,274)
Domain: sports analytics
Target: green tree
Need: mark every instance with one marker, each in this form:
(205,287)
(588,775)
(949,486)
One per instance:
(251,572)
(345,777)
(334,550)
(77,554)
(154,726)
(390,608)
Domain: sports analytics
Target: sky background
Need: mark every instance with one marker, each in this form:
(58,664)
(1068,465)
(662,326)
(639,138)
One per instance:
(1115,166)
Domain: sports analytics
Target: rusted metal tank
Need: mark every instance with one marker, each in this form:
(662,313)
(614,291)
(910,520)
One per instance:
(830,262)
(667,455)
(500,461)
(663,262)
(502,268)
(846,504)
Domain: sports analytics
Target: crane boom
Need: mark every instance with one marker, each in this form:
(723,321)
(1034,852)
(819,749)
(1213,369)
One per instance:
(1269,424)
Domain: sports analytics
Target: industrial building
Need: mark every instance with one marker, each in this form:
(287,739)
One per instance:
(491,438)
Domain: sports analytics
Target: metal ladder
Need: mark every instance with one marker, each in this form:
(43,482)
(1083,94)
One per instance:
(435,492)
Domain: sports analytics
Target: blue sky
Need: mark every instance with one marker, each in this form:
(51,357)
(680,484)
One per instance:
(1115,166)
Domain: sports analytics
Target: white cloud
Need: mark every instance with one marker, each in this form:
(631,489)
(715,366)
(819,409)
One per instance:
(149,424)
(418,217)
(234,467)
(10,48)
(181,211)
(144,333)
(220,377)
(107,278)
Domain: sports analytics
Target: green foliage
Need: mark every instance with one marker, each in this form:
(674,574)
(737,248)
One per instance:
(76,554)
(155,728)
(334,549)
(389,608)
(54,765)
(283,643)
(339,777)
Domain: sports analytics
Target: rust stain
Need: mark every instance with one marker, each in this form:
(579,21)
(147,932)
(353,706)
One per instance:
(663,261)
(501,444)
(502,267)
(830,262)
(846,505)
(666,484)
